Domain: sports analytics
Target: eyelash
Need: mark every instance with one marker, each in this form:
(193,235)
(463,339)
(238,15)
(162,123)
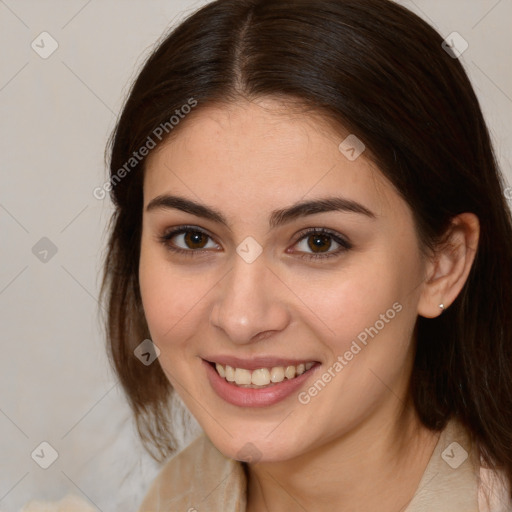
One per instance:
(344,244)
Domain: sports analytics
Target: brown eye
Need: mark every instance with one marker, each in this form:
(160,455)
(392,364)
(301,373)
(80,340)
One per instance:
(316,244)
(188,240)
(195,239)
(321,243)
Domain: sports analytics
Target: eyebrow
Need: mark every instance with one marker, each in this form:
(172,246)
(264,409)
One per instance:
(277,217)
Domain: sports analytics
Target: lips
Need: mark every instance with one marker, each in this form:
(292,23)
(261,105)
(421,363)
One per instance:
(250,395)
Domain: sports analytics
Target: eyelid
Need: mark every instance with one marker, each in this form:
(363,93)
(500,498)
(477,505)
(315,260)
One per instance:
(323,231)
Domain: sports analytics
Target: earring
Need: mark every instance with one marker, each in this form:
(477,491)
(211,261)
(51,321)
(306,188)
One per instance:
(441,306)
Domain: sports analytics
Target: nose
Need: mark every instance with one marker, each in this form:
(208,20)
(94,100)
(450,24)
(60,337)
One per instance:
(250,304)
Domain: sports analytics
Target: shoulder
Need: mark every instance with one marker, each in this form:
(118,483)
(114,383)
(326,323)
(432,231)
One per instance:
(197,478)
(456,480)
(494,494)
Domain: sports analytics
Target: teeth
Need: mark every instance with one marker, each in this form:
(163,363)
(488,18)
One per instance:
(242,376)
(289,373)
(262,376)
(230,374)
(220,370)
(277,374)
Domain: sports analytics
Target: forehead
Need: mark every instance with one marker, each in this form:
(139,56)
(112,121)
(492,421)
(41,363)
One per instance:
(264,152)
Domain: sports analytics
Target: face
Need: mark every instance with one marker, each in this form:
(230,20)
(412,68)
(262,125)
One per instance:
(312,307)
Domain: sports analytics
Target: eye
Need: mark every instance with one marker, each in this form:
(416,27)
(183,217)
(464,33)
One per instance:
(187,240)
(320,241)
(193,241)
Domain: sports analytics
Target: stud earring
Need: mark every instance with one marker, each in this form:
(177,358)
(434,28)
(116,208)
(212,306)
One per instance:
(441,306)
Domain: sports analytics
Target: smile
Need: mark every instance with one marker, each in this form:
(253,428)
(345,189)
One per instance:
(261,386)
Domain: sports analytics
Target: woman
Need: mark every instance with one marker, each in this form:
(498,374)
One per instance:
(311,234)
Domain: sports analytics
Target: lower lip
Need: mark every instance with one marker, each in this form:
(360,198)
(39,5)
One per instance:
(252,397)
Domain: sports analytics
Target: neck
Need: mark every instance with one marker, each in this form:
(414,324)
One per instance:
(375,466)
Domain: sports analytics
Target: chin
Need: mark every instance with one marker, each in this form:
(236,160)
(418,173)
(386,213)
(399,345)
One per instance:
(257,448)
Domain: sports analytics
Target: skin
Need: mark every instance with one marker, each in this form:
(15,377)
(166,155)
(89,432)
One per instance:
(358,443)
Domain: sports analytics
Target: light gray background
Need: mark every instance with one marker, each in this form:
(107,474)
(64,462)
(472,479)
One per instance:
(56,115)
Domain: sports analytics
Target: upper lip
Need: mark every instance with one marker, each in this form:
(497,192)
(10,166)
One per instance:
(255,362)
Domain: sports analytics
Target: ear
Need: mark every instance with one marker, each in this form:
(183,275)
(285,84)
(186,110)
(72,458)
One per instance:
(449,267)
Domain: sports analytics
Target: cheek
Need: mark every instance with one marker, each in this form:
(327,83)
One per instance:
(348,301)
(367,319)
(171,298)
(366,312)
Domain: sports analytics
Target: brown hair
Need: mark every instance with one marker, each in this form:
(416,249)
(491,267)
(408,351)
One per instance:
(381,72)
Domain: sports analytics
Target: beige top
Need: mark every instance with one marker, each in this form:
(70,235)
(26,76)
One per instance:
(200,478)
